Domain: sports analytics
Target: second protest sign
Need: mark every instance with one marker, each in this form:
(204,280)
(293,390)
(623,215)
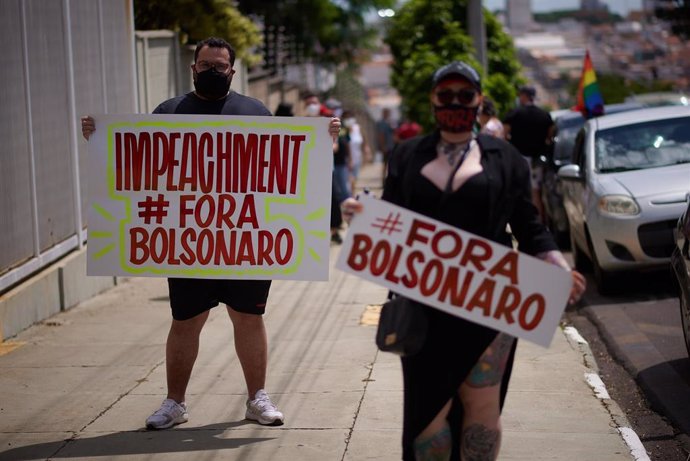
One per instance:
(455,271)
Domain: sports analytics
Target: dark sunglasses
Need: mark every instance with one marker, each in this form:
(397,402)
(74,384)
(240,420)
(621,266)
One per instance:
(464,96)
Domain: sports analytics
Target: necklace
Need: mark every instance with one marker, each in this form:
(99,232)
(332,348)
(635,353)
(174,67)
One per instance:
(453,151)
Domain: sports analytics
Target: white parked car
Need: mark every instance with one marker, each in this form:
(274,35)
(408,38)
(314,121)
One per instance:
(626,188)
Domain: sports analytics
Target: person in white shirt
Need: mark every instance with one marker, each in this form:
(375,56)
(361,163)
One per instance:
(359,149)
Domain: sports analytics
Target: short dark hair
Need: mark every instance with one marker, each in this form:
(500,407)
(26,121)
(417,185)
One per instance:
(308,94)
(284,109)
(528,91)
(215,42)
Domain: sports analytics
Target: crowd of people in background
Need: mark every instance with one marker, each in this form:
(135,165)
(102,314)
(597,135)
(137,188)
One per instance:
(354,148)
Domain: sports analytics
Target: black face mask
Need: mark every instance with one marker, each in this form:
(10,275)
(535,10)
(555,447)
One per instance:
(455,118)
(212,84)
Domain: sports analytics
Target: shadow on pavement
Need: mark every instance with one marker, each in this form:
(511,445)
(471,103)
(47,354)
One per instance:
(212,437)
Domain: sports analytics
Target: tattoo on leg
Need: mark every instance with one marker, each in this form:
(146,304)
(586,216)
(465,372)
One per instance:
(489,369)
(479,443)
(435,448)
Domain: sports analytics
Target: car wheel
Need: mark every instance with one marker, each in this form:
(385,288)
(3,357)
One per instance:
(605,280)
(580,261)
(685,319)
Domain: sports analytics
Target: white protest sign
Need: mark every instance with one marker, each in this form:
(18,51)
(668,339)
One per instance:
(455,271)
(205,196)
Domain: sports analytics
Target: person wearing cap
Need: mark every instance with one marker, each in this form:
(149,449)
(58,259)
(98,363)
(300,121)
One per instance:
(455,385)
(530,129)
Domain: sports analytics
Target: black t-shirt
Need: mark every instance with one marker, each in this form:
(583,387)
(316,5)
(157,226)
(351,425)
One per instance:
(233,104)
(529,127)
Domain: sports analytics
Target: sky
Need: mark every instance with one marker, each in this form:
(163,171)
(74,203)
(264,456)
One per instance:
(617,6)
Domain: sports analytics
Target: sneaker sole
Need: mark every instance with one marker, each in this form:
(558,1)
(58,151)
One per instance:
(264,422)
(174,422)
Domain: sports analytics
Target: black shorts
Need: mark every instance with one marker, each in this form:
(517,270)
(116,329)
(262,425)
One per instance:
(191,297)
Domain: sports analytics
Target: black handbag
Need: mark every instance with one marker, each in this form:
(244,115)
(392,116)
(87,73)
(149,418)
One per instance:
(402,326)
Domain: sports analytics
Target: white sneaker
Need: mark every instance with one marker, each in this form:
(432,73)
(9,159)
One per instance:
(169,414)
(261,409)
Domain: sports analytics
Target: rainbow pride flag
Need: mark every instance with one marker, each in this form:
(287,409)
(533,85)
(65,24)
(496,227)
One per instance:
(589,100)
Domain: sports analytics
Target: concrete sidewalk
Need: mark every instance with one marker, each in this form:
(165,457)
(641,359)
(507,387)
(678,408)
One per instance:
(80,385)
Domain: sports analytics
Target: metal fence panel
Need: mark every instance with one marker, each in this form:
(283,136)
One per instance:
(89,94)
(118,47)
(48,93)
(62,59)
(16,228)
(158,69)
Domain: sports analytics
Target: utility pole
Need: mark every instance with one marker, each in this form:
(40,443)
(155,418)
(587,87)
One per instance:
(477,30)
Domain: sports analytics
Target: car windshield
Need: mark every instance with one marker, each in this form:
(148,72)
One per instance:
(569,124)
(643,145)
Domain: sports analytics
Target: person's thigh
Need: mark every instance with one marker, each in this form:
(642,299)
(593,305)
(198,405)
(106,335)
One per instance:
(489,369)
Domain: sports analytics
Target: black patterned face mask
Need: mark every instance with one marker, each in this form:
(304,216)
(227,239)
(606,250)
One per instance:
(212,84)
(455,118)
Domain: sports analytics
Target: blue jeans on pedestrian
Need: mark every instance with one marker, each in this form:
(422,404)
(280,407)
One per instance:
(341,176)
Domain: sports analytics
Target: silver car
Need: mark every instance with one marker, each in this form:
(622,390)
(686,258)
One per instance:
(626,188)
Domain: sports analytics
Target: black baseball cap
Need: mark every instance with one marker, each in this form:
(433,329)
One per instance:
(457,69)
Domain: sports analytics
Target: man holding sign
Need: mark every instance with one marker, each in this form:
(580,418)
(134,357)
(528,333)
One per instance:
(192,299)
(460,262)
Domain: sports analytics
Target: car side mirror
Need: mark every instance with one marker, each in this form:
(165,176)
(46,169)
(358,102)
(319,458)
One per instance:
(570,173)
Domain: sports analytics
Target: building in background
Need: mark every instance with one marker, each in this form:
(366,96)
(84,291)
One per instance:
(519,16)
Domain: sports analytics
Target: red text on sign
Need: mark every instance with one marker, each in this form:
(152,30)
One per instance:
(218,211)
(468,283)
(225,163)
(204,247)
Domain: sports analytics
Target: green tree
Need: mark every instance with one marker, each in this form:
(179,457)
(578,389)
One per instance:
(196,20)
(331,31)
(426,34)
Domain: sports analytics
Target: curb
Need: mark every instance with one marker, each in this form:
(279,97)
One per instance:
(611,324)
(592,378)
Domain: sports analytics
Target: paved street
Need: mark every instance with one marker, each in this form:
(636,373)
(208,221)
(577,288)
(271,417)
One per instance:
(80,385)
